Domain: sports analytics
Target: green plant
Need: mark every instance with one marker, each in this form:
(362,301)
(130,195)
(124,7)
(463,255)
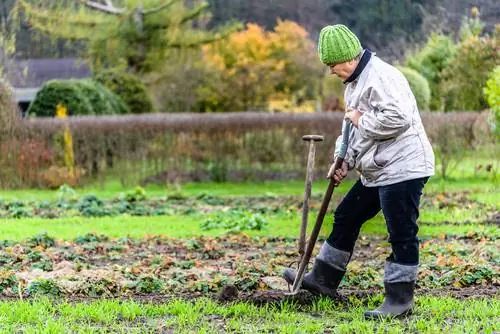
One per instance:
(90,237)
(44,287)
(466,75)
(430,61)
(7,279)
(235,220)
(492,94)
(136,195)
(129,88)
(66,193)
(65,92)
(103,101)
(42,239)
(148,284)
(419,86)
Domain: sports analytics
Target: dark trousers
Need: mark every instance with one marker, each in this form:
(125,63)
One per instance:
(400,205)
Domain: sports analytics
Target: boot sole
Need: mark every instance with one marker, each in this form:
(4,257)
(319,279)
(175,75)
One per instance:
(311,288)
(381,316)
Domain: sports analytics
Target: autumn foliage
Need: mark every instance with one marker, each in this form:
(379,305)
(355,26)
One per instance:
(253,66)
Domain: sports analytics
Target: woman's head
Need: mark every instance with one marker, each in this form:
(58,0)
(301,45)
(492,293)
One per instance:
(339,48)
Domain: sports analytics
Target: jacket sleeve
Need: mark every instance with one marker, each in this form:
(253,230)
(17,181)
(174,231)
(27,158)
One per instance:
(349,158)
(390,115)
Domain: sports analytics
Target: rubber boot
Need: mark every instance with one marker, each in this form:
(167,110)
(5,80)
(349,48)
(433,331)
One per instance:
(326,274)
(399,283)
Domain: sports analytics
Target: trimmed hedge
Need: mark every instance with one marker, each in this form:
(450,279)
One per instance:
(81,97)
(103,100)
(419,86)
(135,148)
(130,88)
(66,92)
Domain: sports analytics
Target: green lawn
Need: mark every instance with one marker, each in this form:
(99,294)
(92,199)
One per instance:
(189,226)
(432,314)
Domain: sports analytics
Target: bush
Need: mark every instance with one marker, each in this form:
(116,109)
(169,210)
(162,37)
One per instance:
(103,101)
(100,105)
(465,77)
(81,97)
(117,104)
(8,110)
(430,62)
(419,86)
(66,92)
(492,94)
(171,148)
(130,88)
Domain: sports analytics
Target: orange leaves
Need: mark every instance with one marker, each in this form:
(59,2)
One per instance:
(256,64)
(445,261)
(244,48)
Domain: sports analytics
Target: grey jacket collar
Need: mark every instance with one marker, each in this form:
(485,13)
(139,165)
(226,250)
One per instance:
(365,58)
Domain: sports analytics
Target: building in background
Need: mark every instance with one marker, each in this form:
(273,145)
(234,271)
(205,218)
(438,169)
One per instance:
(30,75)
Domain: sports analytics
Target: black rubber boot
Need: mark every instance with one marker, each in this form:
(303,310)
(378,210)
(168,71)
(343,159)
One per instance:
(398,301)
(326,274)
(323,279)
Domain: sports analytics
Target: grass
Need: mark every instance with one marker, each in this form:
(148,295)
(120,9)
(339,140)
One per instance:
(188,226)
(462,179)
(432,315)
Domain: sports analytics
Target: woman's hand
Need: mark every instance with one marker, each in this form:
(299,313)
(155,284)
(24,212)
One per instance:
(353,115)
(339,174)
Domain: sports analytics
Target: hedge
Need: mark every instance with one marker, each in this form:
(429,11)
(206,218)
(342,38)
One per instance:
(419,86)
(81,97)
(130,88)
(170,147)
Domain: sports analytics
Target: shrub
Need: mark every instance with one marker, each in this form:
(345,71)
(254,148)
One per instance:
(22,160)
(103,101)
(100,105)
(419,86)
(117,104)
(65,92)
(8,110)
(81,97)
(55,177)
(430,62)
(465,77)
(492,94)
(251,67)
(180,147)
(130,88)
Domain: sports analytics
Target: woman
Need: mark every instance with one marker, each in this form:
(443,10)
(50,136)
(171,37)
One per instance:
(388,146)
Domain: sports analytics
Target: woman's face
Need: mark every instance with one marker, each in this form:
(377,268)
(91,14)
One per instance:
(343,70)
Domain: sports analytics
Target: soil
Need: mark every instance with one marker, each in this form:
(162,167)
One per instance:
(233,268)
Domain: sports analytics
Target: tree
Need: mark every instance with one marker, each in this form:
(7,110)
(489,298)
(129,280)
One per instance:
(465,76)
(384,26)
(254,64)
(430,61)
(138,35)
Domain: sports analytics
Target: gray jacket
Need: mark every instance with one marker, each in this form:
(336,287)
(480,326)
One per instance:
(390,145)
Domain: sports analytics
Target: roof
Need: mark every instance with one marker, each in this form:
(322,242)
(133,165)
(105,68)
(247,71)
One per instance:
(38,71)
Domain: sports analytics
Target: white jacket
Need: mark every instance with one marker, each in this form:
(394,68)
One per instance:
(390,145)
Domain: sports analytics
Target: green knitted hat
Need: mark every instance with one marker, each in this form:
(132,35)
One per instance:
(337,44)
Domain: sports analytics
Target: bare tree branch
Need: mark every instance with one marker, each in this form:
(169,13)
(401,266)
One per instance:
(160,7)
(108,8)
